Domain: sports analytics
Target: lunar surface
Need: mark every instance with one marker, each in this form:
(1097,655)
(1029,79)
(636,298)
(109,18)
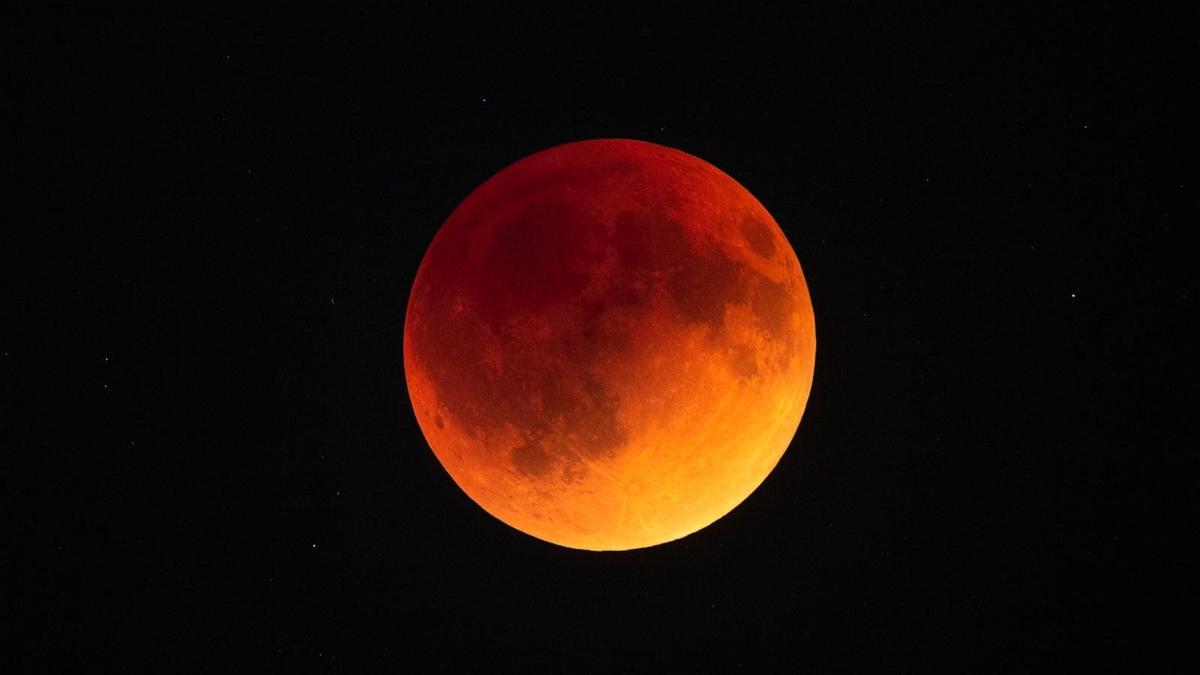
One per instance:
(609,344)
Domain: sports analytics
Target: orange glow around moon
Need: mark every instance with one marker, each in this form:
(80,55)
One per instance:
(609,344)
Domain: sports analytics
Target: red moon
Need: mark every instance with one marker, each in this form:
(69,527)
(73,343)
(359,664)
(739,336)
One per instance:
(609,344)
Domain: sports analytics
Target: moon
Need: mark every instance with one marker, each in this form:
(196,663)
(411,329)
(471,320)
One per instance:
(609,344)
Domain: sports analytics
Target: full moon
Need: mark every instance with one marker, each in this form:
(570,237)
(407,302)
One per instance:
(609,344)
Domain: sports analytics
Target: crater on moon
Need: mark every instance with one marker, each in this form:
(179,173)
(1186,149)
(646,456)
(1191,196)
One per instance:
(759,236)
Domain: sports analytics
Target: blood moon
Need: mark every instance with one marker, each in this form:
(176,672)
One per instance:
(609,344)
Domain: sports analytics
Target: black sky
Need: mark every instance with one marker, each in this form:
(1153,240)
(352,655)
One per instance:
(214,456)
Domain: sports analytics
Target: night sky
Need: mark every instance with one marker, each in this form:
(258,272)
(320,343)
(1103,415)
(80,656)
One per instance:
(212,455)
